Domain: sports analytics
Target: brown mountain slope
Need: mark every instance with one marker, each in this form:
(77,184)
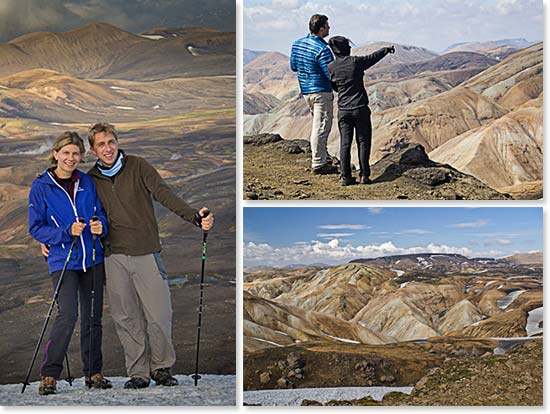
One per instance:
(514,81)
(300,325)
(51,96)
(403,53)
(525,259)
(100,50)
(506,152)
(433,121)
(448,62)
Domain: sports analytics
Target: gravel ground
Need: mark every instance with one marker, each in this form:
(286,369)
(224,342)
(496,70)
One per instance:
(211,390)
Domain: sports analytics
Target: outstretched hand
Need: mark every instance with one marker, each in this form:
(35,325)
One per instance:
(208,221)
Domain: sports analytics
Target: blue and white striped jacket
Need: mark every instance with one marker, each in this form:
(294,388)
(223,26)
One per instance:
(309,57)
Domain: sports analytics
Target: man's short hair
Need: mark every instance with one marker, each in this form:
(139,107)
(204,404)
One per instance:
(316,22)
(66,138)
(101,127)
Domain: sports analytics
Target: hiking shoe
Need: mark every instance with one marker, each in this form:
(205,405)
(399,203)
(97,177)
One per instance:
(163,376)
(344,181)
(365,180)
(47,386)
(98,381)
(135,383)
(326,169)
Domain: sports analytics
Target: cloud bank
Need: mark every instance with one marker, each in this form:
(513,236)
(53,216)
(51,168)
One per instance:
(333,252)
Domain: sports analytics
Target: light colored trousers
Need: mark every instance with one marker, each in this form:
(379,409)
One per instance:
(140,305)
(320,106)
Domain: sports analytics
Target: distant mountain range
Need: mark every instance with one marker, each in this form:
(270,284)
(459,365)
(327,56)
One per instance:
(100,50)
(480,112)
(392,299)
(483,46)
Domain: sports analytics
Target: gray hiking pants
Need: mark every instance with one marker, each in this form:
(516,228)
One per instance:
(140,305)
(320,106)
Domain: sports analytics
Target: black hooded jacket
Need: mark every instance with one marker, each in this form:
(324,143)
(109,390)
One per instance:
(346,76)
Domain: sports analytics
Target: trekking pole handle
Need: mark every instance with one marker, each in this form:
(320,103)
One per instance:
(199,218)
(94,218)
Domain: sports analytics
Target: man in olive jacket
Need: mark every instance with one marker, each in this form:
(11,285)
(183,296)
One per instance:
(137,284)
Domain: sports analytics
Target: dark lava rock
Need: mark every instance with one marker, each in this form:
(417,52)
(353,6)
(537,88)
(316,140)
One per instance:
(261,139)
(289,146)
(405,158)
(429,176)
(295,360)
(251,196)
(311,403)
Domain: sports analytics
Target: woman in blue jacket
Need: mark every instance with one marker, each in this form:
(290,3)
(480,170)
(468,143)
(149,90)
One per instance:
(59,197)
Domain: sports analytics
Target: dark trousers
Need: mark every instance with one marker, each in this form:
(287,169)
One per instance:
(75,285)
(357,120)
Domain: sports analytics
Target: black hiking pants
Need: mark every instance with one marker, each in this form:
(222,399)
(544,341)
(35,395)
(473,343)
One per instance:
(76,285)
(358,121)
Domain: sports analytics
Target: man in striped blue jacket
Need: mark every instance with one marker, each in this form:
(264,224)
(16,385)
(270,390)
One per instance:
(309,57)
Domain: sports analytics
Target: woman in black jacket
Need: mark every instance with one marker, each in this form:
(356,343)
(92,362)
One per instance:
(346,74)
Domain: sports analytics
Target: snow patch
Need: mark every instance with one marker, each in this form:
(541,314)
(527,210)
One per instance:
(76,107)
(402,285)
(349,341)
(118,88)
(211,390)
(126,108)
(267,342)
(490,283)
(533,321)
(3,87)
(153,37)
(398,272)
(294,397)
(507,300)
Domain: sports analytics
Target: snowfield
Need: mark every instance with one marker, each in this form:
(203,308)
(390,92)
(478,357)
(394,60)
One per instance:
(296,396)
(211,390)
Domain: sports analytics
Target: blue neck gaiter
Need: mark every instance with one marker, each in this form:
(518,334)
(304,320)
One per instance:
(111,172)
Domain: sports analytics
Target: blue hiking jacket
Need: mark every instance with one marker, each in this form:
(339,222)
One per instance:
(52,213)
(309,57)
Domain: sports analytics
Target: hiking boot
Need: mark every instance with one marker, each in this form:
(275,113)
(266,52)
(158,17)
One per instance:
(47,386)
(163,376)
(326,169)
(135,383)
(365,180)
(98,381)
(344,181)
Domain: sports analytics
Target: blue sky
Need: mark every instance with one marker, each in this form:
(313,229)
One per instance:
(283,236)
(433,24)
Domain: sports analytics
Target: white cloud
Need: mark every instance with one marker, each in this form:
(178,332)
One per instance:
(470,225)
(375,210)
(415,231)
(334,252)
(334,235)
(432,24)
(344,227)
(498,242)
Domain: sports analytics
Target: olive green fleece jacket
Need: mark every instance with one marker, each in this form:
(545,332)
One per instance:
(128,201)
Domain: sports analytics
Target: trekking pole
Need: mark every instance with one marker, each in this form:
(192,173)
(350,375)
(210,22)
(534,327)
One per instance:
(196,377)
(69,378)
(92,308)
(54,300)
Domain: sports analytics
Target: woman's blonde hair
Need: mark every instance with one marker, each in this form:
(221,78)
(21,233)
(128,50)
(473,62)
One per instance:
(66,138)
